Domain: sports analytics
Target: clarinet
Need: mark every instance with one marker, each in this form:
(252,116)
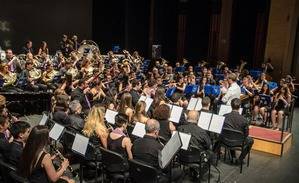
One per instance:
(58,153)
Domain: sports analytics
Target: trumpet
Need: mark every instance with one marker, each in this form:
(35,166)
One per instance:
(61,157)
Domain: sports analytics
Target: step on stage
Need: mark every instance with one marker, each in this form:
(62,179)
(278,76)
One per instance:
(270,141)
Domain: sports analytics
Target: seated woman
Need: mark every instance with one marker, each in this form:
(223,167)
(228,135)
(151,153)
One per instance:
(282,100)
(95,127)
(36,164)
(162,114)
(125,106)
(261,105)
(140,115)
(117,139)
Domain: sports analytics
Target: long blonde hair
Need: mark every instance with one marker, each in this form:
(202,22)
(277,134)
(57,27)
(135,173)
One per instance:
(95,123)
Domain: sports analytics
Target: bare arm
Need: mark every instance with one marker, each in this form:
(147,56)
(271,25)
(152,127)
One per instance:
(52,174)
(128,145)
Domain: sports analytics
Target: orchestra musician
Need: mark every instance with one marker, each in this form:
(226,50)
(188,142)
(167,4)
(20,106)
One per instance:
(8,77)
(36,163)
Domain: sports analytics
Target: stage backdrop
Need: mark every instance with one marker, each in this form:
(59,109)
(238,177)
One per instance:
(38,20)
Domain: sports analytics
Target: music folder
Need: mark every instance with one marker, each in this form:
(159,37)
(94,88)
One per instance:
(185,138)
(80,144)
(56,131)
(148,101)
(194,104)
(211,122)
(225,109)
(110,116)
(139,130)
(44,120)
(170,149)
(175,113)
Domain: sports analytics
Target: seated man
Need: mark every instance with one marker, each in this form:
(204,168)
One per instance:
(76,120)
(60,114)
(146,149)
(236,121)
(20,131)
(199,137)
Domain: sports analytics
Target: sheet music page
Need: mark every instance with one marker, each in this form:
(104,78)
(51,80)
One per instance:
(43,120)
(192,104)
(169,150)
(204,120)
(56,131)
(148,102)
(185,138)
(139,130)
(142,98)
(216,123)
(175,114)
(225,109)
(80,144)
(240,111)
(110,116)
(198,105)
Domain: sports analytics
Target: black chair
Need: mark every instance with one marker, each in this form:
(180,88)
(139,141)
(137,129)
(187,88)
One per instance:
(16,178)
(195,159)
(115,165)
(232,139)
(5,168)
(140,172)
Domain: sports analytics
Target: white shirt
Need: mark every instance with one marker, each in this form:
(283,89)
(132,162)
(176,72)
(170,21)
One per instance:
(234,91)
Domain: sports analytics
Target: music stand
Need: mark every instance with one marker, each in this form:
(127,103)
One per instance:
(194,104)
(185,137)
(175,113)
(110,116)
(44,120)
(225,109)
(211,122)
(265,99)
(148,101)
(56,131)
(139,130)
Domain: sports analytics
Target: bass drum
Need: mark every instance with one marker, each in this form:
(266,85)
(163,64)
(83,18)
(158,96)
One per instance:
(88,49)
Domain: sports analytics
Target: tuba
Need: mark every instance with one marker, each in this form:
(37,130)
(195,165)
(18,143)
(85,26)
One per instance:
(88,49)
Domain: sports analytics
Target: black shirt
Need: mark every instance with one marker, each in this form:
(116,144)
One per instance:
(15,151)
(76,122)
(236,121)
(78,94)
(135,96)
(199,137)
(4,144)
(116,145)
(146,150)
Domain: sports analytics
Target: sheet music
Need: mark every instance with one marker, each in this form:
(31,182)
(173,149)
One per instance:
(43,120)
(192,104)
(175,114)
(225,109)
(185,138)
(169,150)
(139,130)
(216,123)
(204,120)
(56,131)
(142,98)
(147,100)
(80,144)
(110,116)
(198,105)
